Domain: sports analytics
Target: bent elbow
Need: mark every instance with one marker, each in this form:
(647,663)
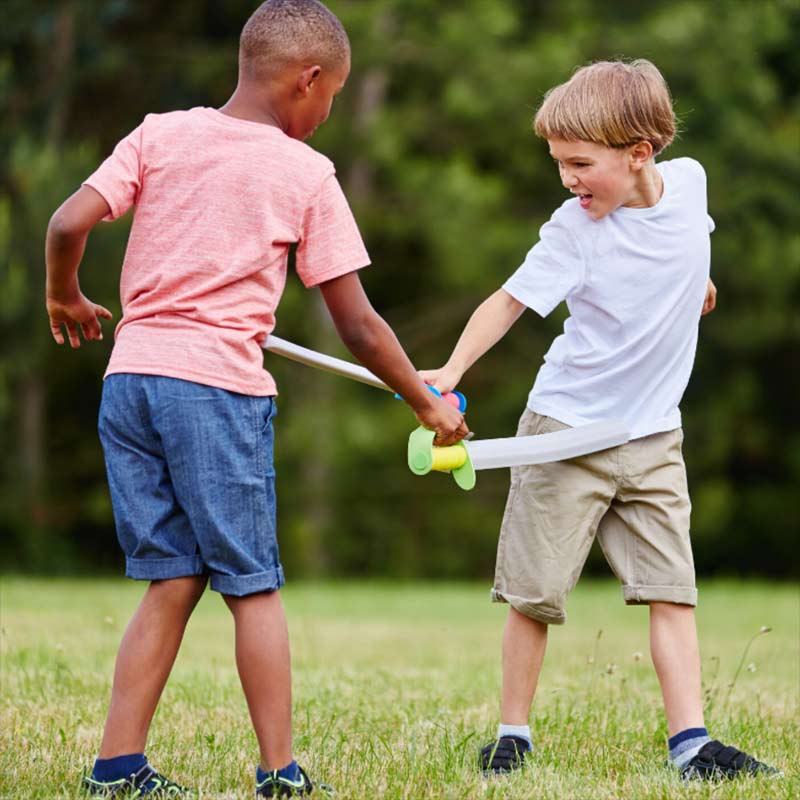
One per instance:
(360,336)
(57,227)
(61,227)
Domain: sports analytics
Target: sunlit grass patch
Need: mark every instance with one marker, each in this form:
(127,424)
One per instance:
(396,686)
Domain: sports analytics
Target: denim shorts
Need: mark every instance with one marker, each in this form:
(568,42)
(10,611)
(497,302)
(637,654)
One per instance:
(192,481)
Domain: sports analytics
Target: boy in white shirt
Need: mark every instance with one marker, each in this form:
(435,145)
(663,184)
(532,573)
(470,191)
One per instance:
(630,256)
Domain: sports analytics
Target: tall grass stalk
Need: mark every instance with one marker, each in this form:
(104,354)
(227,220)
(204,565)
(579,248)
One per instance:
(396,687)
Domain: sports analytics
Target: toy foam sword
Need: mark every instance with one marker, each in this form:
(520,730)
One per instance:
(464,458)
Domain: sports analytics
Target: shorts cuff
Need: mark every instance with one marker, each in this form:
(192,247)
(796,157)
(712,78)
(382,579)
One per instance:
(642,595)
(530,608)
(159,569)
(241,585)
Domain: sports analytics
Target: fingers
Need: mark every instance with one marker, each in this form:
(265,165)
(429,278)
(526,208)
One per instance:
(90,331)
(444,438)
(441,380)
(55,329)
(83,321)
(430,377)
(91,328)
(72,333)
(100,312)
(710,302)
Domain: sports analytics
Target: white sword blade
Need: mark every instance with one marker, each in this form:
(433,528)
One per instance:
(312,358)
(513,451)
(518,451)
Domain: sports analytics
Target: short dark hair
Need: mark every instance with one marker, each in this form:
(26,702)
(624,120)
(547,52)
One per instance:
(284,32)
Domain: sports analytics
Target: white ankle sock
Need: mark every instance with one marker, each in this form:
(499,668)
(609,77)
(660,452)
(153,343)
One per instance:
(522,731)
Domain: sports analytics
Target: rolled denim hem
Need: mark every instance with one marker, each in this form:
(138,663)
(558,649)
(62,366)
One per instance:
(642,595)
(530,608)
(157,569)
(241,585)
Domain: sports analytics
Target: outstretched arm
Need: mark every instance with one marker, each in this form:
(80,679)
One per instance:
(370,339)
(66,240)
(490,323)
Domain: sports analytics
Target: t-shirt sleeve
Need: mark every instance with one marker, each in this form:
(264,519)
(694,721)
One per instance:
(696,168)
(330,243)
(552,270)
(119,178)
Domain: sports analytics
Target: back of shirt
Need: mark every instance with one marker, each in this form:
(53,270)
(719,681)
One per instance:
(634,282)
(218,202)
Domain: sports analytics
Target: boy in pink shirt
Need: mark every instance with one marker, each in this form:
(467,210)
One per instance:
(187,408)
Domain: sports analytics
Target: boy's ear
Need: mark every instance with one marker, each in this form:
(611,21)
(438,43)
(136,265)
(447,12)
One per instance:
(640,153)
(305,80)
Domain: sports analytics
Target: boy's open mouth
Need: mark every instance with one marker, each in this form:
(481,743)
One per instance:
(585,200)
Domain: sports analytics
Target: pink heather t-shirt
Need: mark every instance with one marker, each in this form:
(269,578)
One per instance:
(218,202)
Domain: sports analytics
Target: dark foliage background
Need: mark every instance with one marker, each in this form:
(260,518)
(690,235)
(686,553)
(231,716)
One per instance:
(433,145)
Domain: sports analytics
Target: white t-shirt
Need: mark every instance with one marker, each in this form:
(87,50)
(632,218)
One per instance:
(634,282)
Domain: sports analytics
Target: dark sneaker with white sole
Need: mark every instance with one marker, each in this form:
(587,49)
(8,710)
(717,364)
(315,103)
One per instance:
(145,782)
(715,761)
(275,785)
(504,755)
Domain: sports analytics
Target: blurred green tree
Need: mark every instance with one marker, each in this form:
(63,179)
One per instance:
(433,144)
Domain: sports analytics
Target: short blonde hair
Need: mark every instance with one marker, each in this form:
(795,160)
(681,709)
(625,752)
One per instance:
(614,103)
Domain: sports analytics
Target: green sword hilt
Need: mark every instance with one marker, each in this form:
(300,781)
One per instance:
(424,457)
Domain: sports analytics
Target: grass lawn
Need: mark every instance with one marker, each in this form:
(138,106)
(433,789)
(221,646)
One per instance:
(396,686)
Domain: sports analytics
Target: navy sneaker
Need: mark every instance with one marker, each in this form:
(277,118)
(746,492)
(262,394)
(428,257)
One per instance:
(144,782)
(504,754)
(274,785)
(714,761)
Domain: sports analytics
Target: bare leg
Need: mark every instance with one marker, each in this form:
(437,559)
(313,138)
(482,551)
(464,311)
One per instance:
(262,657)
(676,657)
(524,643)
(144,661)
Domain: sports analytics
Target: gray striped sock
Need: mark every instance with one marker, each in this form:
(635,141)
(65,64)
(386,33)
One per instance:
(684,751)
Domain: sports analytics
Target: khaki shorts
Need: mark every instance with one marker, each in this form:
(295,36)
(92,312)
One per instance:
(634,498)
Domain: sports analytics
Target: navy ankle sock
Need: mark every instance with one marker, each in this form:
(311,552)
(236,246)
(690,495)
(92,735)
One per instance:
(290,771)
(114,769)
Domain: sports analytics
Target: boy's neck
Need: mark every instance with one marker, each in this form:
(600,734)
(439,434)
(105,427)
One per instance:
(648,188)
(243,105)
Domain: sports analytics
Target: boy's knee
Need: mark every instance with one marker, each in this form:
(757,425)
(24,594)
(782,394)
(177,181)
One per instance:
(263,596)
